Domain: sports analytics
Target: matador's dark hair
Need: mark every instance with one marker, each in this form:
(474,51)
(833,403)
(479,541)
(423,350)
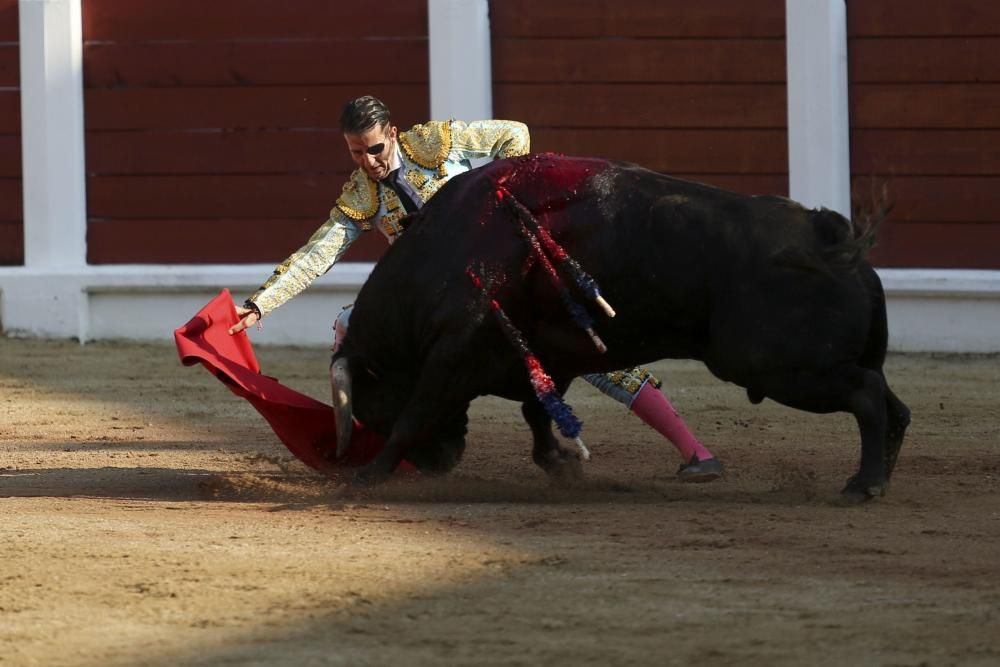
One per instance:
(363,113)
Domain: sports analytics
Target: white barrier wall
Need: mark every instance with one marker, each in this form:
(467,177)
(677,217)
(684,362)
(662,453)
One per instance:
(929,311)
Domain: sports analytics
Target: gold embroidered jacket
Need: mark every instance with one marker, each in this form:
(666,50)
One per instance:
(431,154)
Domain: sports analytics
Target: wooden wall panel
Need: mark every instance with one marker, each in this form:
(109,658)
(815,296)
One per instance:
(10,66)
(942,245)
(922,153)
(944,198)
(11,242)
(207,196)
(9,18)
(11,202)
(239,108)
(11,214)
(10,156)
(158,64)
(584,60)
(925,119)
(637,18)
(690,89)
(11,222)
(237,240)
(925,60)
(10,111)
(217,152)
(224,20)
(673,151)
(909,18)
(926,105)
(201,124)
(643,105)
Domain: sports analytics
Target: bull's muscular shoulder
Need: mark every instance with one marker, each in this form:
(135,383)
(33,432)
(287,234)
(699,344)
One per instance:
(427,144)
(359,199)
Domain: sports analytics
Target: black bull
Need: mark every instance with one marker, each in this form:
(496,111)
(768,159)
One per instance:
(770,295)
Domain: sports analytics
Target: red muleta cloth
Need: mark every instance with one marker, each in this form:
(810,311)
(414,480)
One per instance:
(306,426)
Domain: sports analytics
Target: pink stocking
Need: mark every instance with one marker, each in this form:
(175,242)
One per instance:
(652,407)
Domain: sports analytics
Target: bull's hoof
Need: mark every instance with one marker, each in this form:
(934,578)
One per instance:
(562,466)
(439,458)
(859,491)
(369,475)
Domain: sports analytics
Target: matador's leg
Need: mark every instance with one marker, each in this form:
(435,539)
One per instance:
(639,390)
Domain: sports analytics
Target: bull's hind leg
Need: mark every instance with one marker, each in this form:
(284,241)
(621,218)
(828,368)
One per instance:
(868,403)
(898,416)
(559,462)
(860,391)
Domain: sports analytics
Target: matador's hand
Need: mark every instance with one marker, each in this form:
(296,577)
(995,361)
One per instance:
(248,318)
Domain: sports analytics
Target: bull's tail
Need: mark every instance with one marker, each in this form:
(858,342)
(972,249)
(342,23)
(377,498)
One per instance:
(844,243)
(868,212)
(839,244)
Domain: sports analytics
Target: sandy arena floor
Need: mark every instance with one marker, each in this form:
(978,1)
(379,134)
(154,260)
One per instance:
(149,517)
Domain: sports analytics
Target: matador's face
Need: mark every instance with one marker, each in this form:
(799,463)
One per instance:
(372,150)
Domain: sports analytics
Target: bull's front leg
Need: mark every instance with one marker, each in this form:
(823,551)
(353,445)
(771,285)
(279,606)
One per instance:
(441,455)
(433,450)
(433,417)
(382,466)
(560,463)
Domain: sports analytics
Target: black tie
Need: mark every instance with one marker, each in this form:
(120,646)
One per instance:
(393,181)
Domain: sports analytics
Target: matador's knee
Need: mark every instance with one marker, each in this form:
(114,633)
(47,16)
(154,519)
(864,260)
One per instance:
(623,386)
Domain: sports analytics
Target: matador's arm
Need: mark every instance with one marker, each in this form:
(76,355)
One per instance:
(323,249)
(489,139)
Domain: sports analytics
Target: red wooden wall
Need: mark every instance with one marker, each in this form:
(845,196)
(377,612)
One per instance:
(211,127)
(694,89)
(11,228)
(925,118)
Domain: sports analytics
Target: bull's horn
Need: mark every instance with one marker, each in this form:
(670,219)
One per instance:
(340,383)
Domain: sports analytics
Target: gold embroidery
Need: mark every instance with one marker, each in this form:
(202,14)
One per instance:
(632,379)
(431,187)
(359,199)
(391,200)
(428,144)
(297,272)
(390,223)
(492,138)
(416,178)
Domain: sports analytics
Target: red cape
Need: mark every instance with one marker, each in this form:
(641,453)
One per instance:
(306,426)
